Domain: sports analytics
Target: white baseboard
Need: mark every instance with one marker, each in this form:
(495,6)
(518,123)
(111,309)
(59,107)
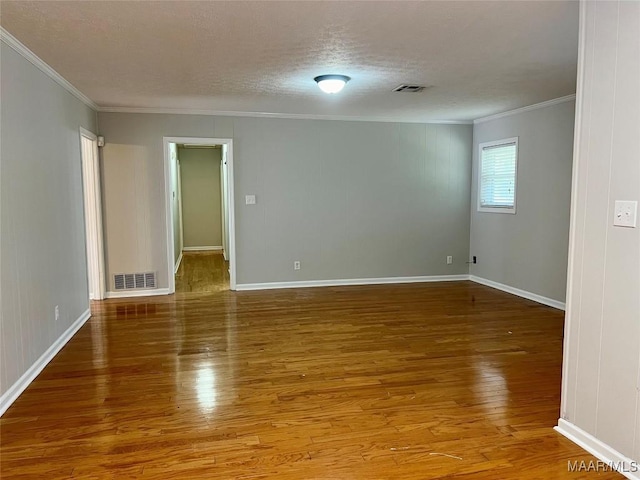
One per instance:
(612,458)
(177,265)
(351,281)
(206,248)
(34,370)
(138,293)
(520,293)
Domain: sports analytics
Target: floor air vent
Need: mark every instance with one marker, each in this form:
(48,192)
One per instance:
(134,281)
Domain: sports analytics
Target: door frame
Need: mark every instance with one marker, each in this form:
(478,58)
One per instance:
(179,193)
(224,202)
(92,208)
(169,213)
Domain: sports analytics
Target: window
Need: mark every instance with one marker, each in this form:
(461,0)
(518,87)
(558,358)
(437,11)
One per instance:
(497,176)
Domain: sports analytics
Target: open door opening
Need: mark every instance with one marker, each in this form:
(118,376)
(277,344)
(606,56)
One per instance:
(199,186)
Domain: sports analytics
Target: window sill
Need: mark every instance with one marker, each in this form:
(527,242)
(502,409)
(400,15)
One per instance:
(511,211)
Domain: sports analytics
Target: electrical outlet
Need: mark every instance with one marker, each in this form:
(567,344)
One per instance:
(449,259)
(625,213)
(57,312)
(296,265)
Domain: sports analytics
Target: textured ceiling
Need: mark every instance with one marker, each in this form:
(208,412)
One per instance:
(478,58)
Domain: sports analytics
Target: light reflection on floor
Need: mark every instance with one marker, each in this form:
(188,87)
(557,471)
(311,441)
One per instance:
(206,387)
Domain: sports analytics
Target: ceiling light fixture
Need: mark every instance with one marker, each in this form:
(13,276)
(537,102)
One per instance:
(331,83)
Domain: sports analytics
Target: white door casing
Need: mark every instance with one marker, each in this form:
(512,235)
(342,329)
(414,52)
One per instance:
(92,214)
(227,145)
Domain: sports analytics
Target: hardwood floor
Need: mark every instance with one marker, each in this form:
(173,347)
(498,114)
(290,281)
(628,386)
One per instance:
(420,381)
(202,272)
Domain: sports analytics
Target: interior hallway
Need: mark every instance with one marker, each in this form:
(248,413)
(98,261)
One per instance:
(412,381)
(202,272)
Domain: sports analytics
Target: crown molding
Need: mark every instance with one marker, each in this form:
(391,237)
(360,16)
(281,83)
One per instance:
(535,106)
(295,116)
(21,49)
(27,54)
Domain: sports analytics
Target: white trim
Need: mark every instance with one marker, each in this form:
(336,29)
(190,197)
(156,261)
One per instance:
(206,248)
(295,116)
(171,276)
(88,133)
(169,211)
(179,182)
(481,147)
(20,48)
(30,375)
(224,203)
(573,224)
(152,292)
(599,449)
(92,209)
(232,217)
(535,106)
(27,54)
(352,281)
(550,302)
(231,247)
(177,265)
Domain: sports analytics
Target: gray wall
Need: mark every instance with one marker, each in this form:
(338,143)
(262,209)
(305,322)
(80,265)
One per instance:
(201,196)
(347,199)
(134,188)
(601,393)
(42,243)
(528,250)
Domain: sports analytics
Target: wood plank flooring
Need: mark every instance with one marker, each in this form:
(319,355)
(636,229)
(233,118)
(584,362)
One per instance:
(202,272)
(420,381)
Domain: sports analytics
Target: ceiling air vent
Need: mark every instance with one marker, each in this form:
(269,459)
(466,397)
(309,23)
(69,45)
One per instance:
(134,281)
(409,88)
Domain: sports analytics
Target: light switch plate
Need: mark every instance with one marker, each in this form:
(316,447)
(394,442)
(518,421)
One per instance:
(625,213)
(250,199)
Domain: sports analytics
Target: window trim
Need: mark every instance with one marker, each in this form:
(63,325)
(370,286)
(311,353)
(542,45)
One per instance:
(509,210)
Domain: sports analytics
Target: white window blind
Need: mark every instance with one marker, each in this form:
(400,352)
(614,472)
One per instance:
(498,175)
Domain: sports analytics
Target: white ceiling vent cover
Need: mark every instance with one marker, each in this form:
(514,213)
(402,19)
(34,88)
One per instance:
(409,88)
(134,281)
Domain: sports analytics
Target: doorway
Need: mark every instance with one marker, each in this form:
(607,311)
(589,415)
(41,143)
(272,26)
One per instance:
(200,212)
(92,214)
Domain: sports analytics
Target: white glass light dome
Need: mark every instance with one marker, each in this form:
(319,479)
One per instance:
(331,83)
